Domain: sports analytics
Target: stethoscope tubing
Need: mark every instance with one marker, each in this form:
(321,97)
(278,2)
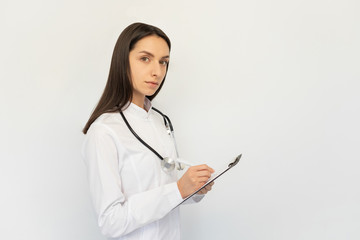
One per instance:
(170,129)
(168,123)
(139,138)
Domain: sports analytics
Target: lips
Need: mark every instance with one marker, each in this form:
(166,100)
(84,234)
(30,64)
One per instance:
(154,84)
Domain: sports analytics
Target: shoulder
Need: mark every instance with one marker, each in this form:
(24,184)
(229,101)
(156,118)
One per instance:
(104,125)
(102,135)
(108,118)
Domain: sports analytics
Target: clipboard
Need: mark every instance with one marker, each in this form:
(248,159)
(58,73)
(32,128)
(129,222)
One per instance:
(213,178)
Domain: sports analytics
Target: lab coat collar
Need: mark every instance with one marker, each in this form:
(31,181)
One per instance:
(138,111)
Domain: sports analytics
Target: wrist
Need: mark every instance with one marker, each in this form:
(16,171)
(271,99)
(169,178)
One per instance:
(180,189)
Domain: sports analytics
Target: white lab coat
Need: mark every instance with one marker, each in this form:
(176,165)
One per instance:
(133,198)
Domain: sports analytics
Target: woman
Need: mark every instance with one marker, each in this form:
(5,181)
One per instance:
(133,194)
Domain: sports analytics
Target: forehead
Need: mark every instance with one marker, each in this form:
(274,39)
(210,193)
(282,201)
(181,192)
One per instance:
(153,44)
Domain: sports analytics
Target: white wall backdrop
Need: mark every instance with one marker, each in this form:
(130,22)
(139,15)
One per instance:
(275,80)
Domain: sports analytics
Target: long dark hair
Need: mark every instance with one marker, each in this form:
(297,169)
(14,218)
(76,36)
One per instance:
(119,90)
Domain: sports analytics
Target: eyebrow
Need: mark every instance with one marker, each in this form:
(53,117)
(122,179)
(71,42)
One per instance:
(152,55)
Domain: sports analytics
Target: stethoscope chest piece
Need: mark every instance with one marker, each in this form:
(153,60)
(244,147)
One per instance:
(167,164)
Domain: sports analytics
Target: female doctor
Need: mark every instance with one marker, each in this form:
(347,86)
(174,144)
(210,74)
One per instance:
(128,149)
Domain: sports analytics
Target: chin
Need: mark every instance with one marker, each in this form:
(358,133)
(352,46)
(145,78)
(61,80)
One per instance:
(150,93)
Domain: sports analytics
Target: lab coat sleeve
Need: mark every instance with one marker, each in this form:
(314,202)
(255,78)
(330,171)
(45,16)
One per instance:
(118,214)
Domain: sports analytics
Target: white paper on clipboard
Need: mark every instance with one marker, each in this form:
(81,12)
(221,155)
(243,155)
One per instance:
(213,177)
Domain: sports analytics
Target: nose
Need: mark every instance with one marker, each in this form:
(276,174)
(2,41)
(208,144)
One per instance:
(156,69)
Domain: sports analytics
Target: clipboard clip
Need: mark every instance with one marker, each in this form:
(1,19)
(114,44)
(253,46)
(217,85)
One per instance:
(237,159)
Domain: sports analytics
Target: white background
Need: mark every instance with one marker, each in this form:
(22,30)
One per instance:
(275,80)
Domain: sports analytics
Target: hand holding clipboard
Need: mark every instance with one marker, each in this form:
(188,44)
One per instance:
(214,177)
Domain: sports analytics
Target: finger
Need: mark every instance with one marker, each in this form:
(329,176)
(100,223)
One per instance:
(199,179)
(204,173)
(202,179)
(203,167)
(203,191)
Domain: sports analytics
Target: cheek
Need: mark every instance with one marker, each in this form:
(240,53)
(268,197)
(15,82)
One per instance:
(163,74)
(136,73)
(135,67)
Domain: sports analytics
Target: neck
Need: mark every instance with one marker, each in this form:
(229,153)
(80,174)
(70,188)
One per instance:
(139,100)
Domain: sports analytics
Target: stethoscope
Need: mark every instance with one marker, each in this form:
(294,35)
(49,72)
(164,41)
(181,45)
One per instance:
(167,163)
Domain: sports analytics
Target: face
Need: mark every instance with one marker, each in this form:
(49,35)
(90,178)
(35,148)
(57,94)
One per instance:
(148,63)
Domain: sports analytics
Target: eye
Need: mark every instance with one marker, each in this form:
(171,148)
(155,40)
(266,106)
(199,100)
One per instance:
(145,59)
(164,63)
